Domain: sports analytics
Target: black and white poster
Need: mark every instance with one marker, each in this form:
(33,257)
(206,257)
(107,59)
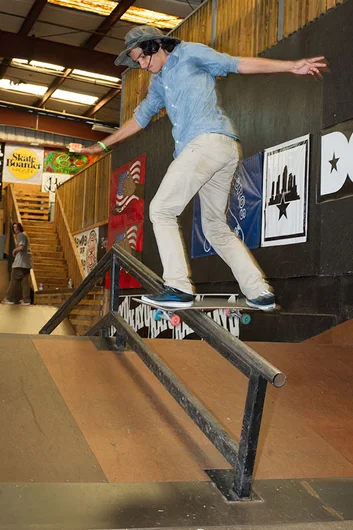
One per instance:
(336,177)
(51,182)
(285,193)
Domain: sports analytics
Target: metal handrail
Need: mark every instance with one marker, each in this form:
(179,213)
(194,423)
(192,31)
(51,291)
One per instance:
(238,353)
(259,371)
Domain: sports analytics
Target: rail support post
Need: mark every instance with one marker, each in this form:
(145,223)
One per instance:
(249,435)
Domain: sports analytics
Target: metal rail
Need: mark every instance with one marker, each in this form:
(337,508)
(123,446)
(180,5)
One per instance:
(259,371)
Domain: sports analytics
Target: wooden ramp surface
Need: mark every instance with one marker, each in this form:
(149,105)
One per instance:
(30,319)
(341,335)
(113,421)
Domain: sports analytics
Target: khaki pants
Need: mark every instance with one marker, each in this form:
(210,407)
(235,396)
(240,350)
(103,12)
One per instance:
(19,275)
(206,165)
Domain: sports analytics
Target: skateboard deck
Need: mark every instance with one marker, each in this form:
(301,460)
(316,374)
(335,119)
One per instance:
(233,306)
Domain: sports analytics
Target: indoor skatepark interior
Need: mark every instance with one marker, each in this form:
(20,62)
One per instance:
(93,440)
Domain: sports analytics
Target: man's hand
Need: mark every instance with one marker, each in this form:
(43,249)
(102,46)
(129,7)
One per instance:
(313,66)
(91,149)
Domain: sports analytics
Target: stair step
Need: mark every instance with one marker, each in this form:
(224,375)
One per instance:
(48,276)
(91,302)
(85,312)
(47,264)
(39,230)
(22,193)
(47,254)
(32,198)
(50,262)
(83,323)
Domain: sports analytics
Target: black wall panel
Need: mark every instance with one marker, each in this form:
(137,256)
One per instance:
(268,110)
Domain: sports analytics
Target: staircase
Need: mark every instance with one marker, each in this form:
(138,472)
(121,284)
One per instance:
(84,315)
(50,268)
(49,265)
(32,204)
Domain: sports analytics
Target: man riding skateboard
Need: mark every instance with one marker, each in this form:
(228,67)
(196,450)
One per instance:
(206,153)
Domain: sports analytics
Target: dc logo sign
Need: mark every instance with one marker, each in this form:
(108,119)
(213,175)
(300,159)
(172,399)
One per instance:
(336,164)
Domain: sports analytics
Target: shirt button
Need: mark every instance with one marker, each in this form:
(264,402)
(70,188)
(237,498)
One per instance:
(177,142)
(173,106)
(166,86)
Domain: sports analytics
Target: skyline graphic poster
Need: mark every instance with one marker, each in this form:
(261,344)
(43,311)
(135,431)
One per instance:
(285,193)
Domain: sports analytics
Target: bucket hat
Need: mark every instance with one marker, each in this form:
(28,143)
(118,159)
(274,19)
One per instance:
(134,38)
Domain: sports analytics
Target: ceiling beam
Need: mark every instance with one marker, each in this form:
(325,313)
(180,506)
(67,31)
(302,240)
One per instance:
(89,44)
(39,122)
(102,102)
(108,23)
(54,86)
(26,27)
(32,16)
(13,45)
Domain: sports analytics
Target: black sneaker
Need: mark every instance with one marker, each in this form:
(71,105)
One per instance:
(170,297)
(265,301)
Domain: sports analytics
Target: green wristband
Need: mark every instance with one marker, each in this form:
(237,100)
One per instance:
(103,146)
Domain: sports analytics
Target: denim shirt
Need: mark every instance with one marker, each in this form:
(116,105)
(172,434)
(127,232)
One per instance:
(186,88)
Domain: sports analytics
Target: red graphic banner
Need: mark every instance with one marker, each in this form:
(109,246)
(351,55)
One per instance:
(126,216)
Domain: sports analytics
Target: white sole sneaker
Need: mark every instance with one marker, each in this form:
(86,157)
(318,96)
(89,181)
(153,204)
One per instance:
(269,307)
(167,305)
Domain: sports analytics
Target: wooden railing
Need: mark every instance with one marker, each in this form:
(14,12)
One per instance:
(13,216)
(85,197)
(237,27)
(74,263)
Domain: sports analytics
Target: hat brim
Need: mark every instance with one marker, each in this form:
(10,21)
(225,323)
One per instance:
(123,57)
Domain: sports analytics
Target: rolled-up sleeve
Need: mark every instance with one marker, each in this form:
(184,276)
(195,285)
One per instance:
(216,63)
(151,105)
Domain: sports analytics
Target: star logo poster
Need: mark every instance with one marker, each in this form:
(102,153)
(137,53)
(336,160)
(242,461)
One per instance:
(285,193)
(336,177)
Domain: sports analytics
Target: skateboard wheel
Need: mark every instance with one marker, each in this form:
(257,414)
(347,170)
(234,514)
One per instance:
(158,315)
(245,319)
(228,313)
(175,320)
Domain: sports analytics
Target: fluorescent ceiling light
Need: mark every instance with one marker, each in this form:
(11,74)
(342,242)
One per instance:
(91,75)
(137,15)
(74,97)
(38,64)
(40,90)
(133,14)
(25,88)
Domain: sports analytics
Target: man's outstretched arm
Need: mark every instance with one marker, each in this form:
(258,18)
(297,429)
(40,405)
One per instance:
(129,128)
(258,65)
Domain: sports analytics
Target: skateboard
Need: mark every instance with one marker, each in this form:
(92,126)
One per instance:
(233,306)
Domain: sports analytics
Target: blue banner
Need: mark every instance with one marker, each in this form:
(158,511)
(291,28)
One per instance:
(244,208)
(245,201)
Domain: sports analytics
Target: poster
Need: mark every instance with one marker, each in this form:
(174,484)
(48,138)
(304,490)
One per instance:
(285,193)
(126,216)
(22,164)
(245,201)
(336,175)
(56,161)
(51,182)
(87,246)
(2,152)
(243,212)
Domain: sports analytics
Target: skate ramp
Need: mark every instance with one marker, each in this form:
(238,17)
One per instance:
(341,335)
(30,319)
